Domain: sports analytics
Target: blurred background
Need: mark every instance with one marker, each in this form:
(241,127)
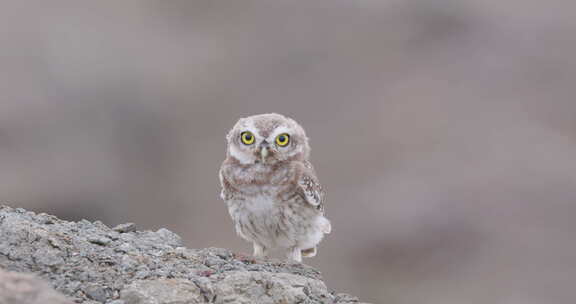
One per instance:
(443,130)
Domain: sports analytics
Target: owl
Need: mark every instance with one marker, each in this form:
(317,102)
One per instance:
(271,189)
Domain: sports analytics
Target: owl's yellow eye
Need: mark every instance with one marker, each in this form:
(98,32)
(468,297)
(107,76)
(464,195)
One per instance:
(247,138)
(282,140)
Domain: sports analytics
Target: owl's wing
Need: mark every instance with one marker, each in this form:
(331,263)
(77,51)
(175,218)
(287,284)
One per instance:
(310,188)
(228,190)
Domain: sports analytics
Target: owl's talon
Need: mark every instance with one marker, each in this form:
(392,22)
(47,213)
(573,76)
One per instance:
(309,253)
(294,255)
(260,251)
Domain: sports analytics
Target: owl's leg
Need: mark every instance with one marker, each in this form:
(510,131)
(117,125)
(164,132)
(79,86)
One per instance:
(260,251)
(294,254)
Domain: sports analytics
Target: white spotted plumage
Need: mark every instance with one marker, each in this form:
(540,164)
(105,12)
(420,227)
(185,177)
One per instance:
(273,196)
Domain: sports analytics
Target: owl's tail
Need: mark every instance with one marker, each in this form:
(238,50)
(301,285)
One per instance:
(325,227)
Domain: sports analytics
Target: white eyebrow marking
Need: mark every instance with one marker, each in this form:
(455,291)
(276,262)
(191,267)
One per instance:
(249,126)
(278,131)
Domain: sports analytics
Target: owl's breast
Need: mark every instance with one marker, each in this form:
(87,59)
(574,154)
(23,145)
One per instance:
(274,219)
(257,200)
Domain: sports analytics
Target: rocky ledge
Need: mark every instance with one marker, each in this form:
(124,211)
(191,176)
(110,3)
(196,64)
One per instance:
(89,262)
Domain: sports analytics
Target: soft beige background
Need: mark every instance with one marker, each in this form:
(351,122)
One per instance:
(443,130)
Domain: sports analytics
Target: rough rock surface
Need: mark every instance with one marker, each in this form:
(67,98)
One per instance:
(93,263)
(20,288)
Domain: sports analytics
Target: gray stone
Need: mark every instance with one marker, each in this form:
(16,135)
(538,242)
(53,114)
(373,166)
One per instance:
(162,291)
(123,228)
(268,288)
(98,292)
(99,240)
(93,263)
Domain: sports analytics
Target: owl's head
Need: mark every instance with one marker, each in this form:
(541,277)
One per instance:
(267,139)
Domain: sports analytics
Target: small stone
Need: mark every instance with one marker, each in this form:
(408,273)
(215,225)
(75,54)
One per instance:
(46,219)
(48,257)
(97,292)
(171,238)
(128,263)
(55,242)
(186,253)
(142,274)
(162,291)
(85,222)
(125,247)
(99,240)
(346,298)
(124,228)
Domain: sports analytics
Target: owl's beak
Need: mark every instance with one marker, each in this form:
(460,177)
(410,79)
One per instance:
(264,153)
